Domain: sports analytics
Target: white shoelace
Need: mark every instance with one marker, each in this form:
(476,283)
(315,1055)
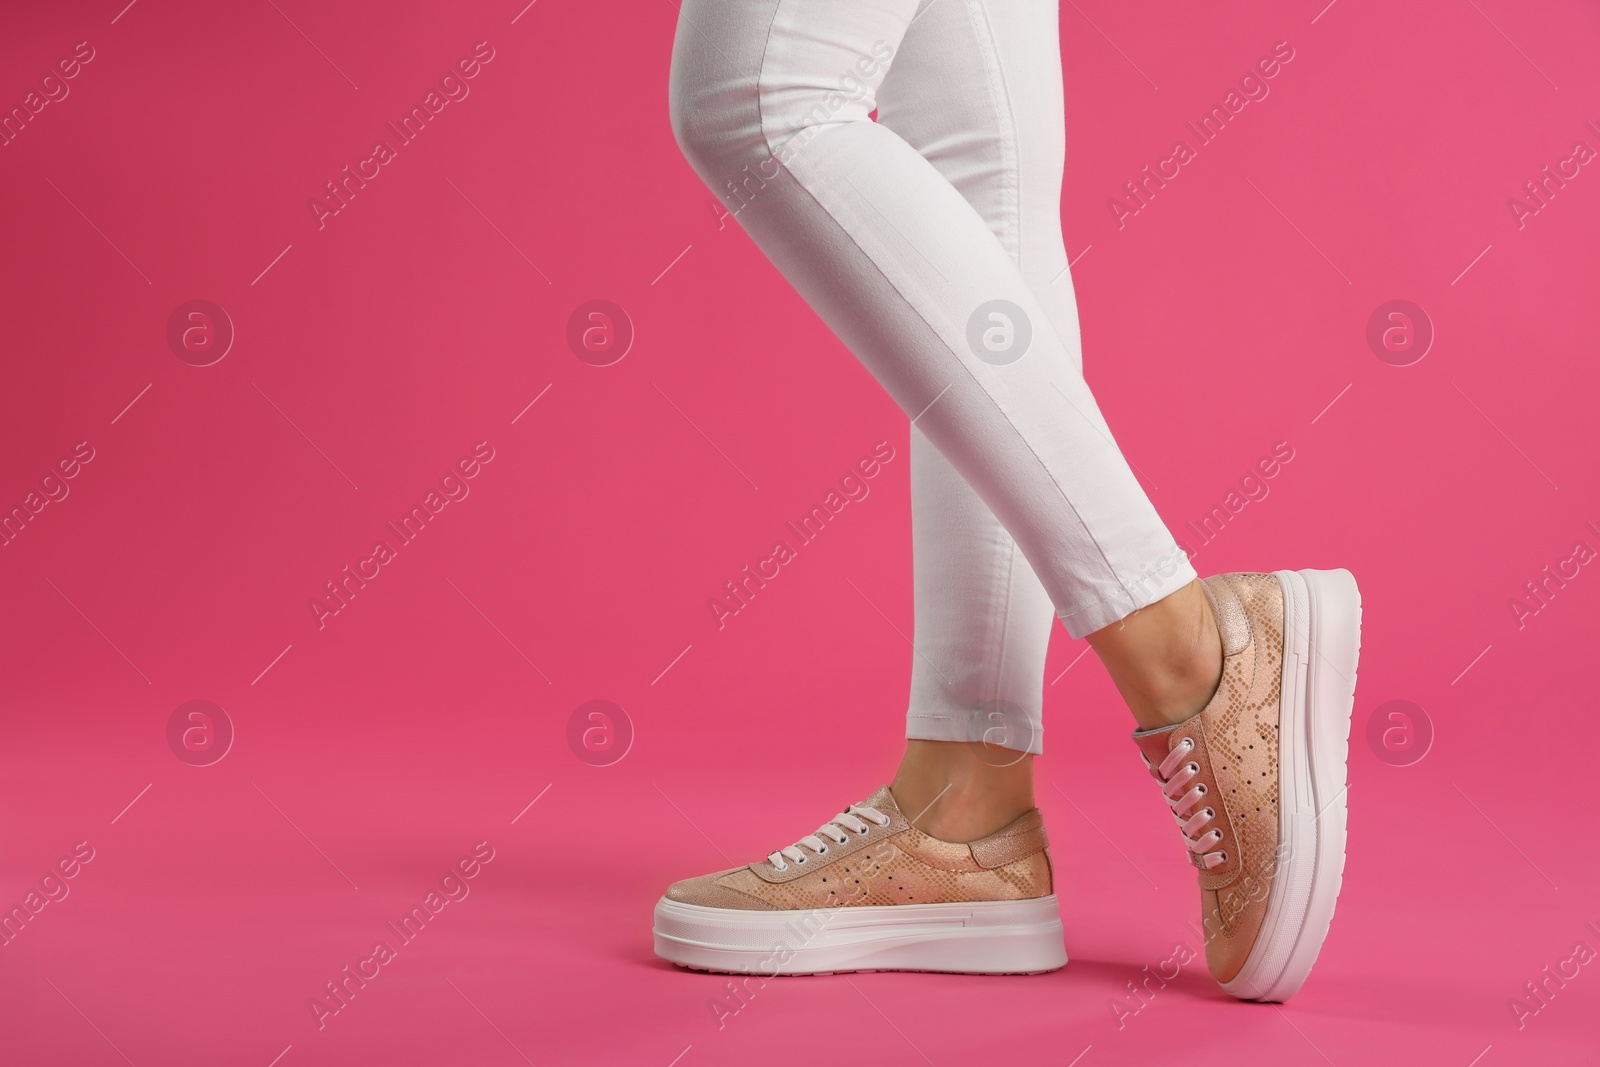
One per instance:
(1175,774)
(836,830)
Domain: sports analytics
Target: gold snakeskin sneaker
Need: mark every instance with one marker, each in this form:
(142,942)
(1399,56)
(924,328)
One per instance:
(870,892)
(1256,780)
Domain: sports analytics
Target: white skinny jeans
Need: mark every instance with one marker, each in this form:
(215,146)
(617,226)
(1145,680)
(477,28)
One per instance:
(930,241)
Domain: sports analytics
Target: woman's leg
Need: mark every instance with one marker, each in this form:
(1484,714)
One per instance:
(983,619)
(771,102)
(904,234)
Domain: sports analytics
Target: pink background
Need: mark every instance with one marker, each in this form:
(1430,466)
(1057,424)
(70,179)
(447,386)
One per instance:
(423,718)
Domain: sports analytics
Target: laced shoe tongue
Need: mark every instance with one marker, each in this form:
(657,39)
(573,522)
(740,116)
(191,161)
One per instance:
(1155,743)
(883,800)
(828,834)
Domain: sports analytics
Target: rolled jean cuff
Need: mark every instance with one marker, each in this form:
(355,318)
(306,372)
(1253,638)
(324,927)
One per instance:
(1012,732)
(1157,581)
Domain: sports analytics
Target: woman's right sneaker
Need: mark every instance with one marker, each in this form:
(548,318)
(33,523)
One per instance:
(870,892)
(1256,780)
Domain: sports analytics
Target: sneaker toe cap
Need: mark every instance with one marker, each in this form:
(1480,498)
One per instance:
(707,891)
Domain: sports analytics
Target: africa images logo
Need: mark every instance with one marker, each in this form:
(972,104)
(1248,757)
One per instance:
(340,591)
(453,88)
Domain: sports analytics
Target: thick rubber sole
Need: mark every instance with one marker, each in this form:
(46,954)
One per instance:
(1322,642)
(983,937)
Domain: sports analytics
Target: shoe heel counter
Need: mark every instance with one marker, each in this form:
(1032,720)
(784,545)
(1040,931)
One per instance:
(1020,855)
(1033,875)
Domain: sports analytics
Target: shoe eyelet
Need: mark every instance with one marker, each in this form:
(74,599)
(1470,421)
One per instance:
(823,851)
(1211,813)
(1192,767)
(1202,788)
(1224,855)
(1188,743)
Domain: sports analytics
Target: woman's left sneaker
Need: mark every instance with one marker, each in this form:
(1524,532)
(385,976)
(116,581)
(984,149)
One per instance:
(870,892)
(1256,780)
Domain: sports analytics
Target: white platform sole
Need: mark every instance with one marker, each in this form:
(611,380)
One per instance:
(1322,640)
(984,937)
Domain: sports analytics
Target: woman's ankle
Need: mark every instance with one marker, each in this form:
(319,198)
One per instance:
(961,791)
(1166,659)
